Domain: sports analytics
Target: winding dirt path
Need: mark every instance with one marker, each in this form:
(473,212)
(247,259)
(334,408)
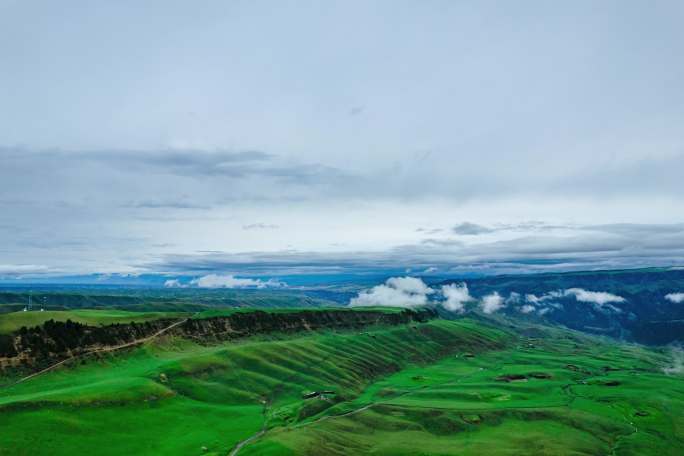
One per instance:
(247,441)
(264,430)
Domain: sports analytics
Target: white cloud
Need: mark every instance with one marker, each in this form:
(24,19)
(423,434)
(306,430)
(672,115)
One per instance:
(410,285)
(230,281)
(513,298)
(676,298)
(395,292)
(527,308)
(260,226)
(600,299)
(595,297)
(534,299)
(457,296)
(174,283)
(677,366)
(23,269)
(492,302)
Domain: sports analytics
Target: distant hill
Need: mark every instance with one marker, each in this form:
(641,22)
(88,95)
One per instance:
(644,316)
(156,300)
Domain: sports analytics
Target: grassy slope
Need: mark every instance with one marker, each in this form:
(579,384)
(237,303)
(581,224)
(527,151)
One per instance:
(212,396)
(406,390)
(11,322)
(457,406)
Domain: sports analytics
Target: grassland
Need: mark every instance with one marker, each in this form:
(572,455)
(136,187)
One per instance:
(442,387)
(563,399)
(10,322)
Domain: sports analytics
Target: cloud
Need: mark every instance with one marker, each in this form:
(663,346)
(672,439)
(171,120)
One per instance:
(595,297)
(470,229)
(230,281)
(174,283)
(599,299)
(395,292)
(356,110)
(676,298)
(165,204)
(260,226)
(588,250)
(527,308)
(677,366)
(513,298)
(492,302)
(636,229)
(13,269)
(457,295)
(411,285)
(534,299)
(152,194)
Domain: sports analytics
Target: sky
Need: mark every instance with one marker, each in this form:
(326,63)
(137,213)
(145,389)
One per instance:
(266,138)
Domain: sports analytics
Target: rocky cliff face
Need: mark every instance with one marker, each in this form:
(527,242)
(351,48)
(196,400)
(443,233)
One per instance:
(258,322)
(54,341)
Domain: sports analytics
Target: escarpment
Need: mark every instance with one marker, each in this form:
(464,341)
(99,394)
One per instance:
(53,341)
(246,324)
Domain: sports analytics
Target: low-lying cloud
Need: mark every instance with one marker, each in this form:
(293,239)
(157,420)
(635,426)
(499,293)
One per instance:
(545,303)
(229,281)
(395,292)
(595,297)
(411,292)
(677,366)
(174,283)
(492,303)
(600,299)
(676,298)
(457,295)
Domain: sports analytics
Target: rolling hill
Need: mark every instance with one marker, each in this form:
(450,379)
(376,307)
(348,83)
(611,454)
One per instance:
(353,386)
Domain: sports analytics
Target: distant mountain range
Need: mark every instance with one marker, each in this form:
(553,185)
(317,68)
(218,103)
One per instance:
(642,305)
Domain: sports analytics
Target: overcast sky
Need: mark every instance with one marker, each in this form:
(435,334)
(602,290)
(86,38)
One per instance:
(249,136)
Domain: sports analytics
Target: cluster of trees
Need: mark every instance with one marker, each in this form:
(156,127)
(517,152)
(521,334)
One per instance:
(61,337)
(7,349)
(242,324)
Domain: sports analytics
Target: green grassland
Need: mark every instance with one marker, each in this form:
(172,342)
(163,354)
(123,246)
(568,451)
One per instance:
(432,388)
(13,321)
(592,400)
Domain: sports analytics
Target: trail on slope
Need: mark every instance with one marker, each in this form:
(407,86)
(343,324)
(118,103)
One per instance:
(102,350)
(264,430)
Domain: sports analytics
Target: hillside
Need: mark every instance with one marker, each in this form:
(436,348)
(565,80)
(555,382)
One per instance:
(644,315)
(387,386)
(38,347)
(155,299)
(11,322)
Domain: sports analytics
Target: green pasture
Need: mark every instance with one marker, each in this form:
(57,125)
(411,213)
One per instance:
(13,321)
(594,399)
(177,397)
(442,387)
